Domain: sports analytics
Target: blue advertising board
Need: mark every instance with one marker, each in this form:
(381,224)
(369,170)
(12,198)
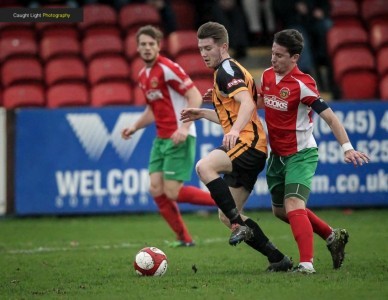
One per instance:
(73,161)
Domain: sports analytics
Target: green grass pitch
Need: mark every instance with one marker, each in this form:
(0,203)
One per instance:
(92,258)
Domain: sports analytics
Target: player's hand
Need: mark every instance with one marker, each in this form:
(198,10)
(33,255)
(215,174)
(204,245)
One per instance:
(190,114)
(126,133)
(230,139)
(207,97)
(356,157)
(180,135)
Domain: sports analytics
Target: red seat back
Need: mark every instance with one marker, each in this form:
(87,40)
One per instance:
(108,69)
(24,95)
(182,41)
(67,94)
(134,15)
(111,93)
(21,70)
(65,69)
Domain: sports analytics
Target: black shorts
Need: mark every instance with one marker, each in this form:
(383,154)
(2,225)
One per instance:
(245,168)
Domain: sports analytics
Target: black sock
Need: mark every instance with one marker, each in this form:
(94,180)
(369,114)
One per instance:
(221,194)
(261,243)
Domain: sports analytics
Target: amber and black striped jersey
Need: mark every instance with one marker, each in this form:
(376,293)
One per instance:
(231,78)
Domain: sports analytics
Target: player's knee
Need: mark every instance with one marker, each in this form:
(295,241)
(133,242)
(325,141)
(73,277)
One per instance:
(156,190)
(199,168)
(280,213)
(276,213)
(171,194)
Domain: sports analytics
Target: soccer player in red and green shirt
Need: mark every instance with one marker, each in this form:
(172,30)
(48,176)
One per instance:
(289,98)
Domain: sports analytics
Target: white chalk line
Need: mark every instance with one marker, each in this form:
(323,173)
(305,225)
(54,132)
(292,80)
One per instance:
(78,247)
(96,247)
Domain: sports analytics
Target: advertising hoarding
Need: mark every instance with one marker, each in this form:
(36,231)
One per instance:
(73,161)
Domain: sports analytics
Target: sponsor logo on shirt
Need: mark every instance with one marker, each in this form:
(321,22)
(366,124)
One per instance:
(153,95)
(275,103)
(235,82)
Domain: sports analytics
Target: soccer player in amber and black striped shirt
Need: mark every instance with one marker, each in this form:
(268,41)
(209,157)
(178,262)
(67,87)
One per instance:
(243,153)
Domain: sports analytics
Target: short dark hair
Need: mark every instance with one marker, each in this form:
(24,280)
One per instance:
(151,31)
(291,39)
(213,30)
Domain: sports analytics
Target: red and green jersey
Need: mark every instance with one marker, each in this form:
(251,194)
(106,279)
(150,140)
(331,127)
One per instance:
(164,86)
(288,113)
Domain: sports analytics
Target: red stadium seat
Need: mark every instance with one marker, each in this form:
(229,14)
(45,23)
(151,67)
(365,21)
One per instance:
(374,10)
(17,46)
(52,28)
(182,41)
(68,31)
(382,61)
(21,70)
(355,73)
(135,66)
(138,97)
(203,84)
(345,36)
(130,45)
(384,87)
(352,59)
(108,69)
(134,15)
(67,94)
(378,33)
(185,14)
(344,11)
(97,45)
(65,69)
(16,30)
(194,65)
(96,15)
(359,85)
(103,30)
(24,95)
(111,93)
(58,45)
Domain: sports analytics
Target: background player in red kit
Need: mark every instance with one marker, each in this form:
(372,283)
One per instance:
(168,90)
(289,98)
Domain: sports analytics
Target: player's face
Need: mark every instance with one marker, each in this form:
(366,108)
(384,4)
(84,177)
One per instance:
(282,61)
(148,48)
(211,53)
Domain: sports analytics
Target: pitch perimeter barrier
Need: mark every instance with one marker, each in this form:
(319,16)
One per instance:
(3,164)
(73,161)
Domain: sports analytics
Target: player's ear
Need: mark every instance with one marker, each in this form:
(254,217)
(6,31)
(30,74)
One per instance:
(225,47)
(295,57)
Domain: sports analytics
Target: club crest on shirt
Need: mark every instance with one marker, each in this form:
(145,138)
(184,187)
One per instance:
(284,93)
(154,82)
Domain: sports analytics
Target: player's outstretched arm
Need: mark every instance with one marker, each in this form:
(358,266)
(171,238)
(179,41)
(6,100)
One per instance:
(192,114)
(144,120)
(351,155)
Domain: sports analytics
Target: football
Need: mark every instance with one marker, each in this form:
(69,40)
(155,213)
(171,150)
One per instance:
(150,261)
